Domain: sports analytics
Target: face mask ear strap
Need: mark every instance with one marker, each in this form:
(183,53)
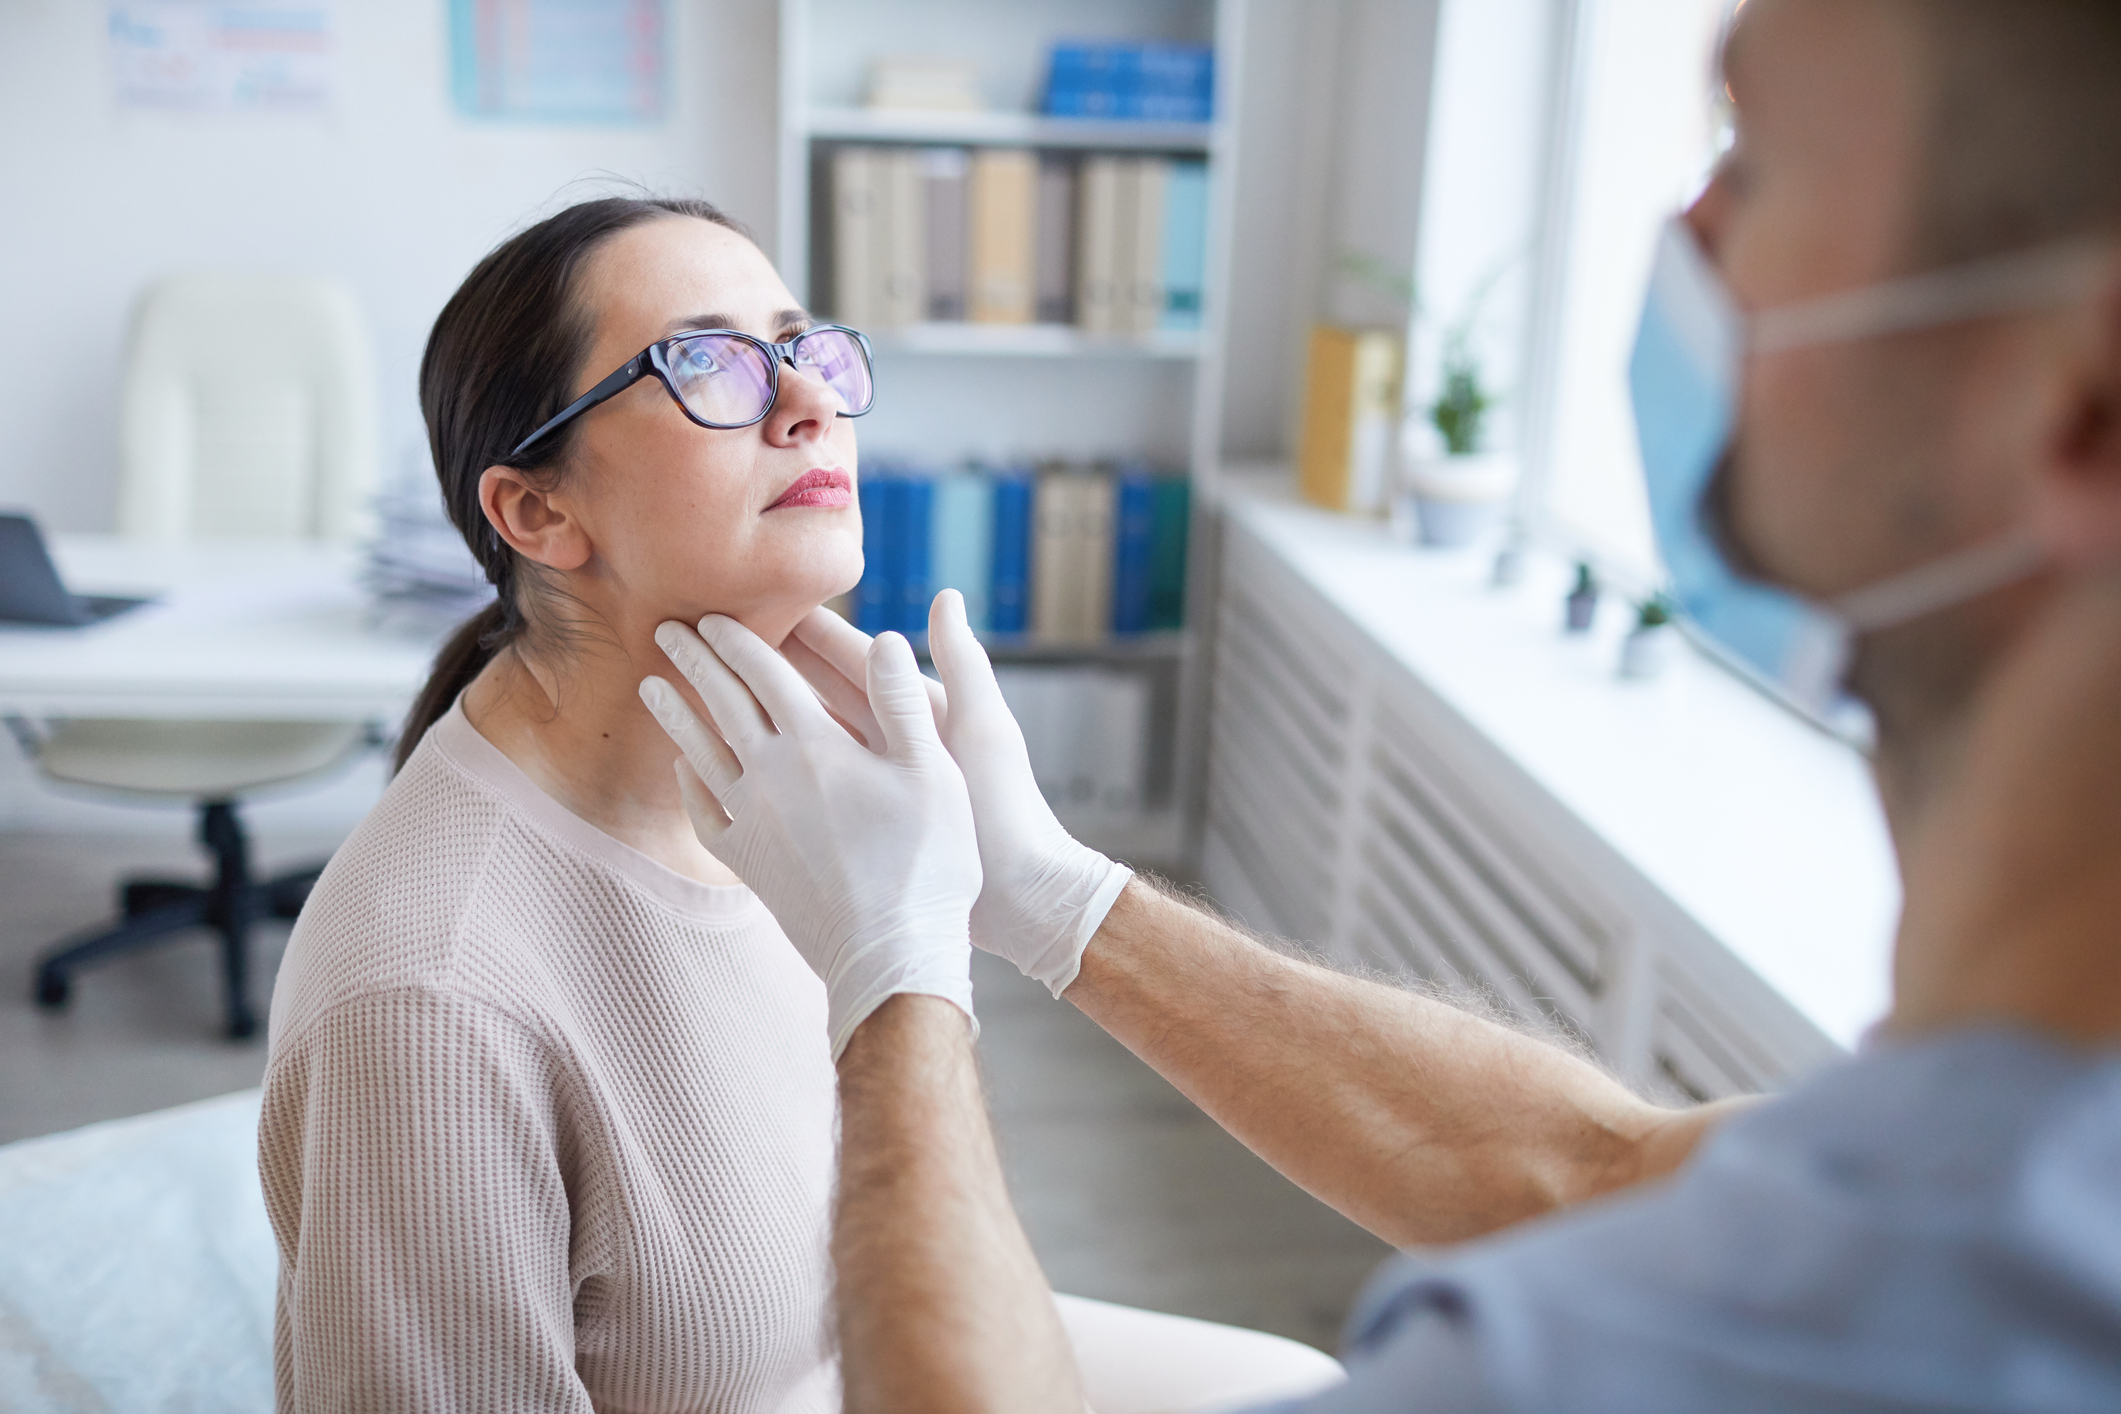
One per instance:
(1966,574)
(2025,280)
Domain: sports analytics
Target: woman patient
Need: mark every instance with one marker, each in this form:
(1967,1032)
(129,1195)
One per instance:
(549,1107)
(549,1110)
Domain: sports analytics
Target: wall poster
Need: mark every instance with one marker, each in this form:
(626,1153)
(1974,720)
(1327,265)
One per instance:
(559,60)
(213,56)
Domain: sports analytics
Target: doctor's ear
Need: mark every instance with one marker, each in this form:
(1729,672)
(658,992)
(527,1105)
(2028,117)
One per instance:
(530,520)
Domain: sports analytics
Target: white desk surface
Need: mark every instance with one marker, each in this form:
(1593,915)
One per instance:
(1766,831)
(243,629)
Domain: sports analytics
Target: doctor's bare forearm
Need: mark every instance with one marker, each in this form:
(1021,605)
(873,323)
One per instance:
(942,1306)
(1422,1122)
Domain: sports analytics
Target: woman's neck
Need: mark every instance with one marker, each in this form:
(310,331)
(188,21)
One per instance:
(579,731)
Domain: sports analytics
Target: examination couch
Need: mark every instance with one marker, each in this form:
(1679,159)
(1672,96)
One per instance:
(137,1267)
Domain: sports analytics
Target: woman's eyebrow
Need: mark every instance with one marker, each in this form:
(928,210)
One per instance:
(785,321)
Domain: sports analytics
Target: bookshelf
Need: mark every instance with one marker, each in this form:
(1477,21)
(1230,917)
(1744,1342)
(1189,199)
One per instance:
(1134,648)
(965,340)
(1008,130)
(949,392)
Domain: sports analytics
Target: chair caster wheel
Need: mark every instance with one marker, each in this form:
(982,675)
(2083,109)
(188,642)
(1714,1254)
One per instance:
(53,990)
(242,1026)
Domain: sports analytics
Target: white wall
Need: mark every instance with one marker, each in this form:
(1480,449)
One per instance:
(391,191)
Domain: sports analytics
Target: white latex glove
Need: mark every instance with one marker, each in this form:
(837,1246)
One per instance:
(866,857)
(1045,895)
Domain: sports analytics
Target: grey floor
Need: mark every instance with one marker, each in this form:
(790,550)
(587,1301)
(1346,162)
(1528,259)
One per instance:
(1128,1191)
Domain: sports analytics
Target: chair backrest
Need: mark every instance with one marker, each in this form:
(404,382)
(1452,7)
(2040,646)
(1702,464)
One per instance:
(248,410)
(137,1267)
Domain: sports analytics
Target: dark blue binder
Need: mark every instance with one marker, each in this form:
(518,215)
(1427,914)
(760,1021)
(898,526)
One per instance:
(1133,550)
(869,595)
(915,515)
(1167,575)
(1009,597)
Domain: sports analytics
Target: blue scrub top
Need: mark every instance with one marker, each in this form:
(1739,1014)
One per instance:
(1928,1226)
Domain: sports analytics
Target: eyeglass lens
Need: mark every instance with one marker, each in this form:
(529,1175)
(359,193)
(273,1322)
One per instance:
(729,381)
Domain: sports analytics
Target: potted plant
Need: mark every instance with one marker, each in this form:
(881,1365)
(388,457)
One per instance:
(1456,496)
(1649,647)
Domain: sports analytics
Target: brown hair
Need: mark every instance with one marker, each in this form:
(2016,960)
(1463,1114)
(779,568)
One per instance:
(504,356)
(2022,111)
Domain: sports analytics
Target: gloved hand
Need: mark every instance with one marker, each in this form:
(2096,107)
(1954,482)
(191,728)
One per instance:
(1045,895)
(865,856)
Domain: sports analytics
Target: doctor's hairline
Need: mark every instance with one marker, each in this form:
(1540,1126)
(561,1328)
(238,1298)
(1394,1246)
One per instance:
(2019,108)
(2016,108)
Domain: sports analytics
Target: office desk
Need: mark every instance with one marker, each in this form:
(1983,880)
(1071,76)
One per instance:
(249,629)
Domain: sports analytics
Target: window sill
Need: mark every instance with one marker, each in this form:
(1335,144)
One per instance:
(1764,830)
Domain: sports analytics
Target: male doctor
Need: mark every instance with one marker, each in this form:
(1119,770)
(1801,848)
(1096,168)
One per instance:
(1882,357)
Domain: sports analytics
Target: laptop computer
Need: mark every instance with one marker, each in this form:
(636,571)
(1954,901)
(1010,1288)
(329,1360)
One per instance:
(31,591)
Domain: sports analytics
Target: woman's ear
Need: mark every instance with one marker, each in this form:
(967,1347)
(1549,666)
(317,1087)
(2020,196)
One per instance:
(532,523)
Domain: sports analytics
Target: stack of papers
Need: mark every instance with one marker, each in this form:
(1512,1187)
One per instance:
(934,84)
(420,574)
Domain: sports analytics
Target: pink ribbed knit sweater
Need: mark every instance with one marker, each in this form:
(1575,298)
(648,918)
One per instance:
(547,1126)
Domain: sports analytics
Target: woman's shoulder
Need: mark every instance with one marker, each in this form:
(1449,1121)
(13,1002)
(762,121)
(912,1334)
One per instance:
(582,869)
(391,910)
(465,878)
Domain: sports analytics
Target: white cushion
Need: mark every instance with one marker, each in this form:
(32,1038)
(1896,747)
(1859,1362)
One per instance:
(194,760)
(248,409)
(138,1267)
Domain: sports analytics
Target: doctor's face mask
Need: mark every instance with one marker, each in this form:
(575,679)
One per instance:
(1685,377)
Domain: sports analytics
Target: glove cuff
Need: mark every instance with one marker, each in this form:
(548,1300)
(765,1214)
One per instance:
(1061,965)
(852,1002)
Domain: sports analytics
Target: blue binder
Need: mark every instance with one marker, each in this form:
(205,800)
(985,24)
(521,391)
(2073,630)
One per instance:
(1185,244)
(915,512)
(961,541)
(1133,549)
(870,596)
(1167,575)
(1009,594)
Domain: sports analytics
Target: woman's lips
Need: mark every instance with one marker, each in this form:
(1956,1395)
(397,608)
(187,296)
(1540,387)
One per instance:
(826,489)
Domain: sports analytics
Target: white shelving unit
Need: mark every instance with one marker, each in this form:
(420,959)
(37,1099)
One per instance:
(1008,130)
(1031,341)
(948,391)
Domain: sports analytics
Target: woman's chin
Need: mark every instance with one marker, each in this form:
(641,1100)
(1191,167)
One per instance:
(771,617)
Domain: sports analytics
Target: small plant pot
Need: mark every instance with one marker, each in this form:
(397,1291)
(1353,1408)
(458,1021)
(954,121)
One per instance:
(1450,524)
(1454,501)
(1648,650)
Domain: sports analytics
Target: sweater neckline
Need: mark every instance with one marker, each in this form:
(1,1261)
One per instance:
(458,740)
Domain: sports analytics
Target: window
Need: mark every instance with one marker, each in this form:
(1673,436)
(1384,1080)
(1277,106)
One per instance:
(1637,129)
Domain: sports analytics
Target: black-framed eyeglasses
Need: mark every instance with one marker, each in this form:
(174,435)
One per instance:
(722,379)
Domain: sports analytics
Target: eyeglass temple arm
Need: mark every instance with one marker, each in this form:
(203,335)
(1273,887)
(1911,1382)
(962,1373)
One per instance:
(634,370)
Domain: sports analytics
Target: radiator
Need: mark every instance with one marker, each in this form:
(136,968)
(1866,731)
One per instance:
(1352,811)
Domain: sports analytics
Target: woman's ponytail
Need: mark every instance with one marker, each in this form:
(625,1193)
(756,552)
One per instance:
(503,358)
(462,658)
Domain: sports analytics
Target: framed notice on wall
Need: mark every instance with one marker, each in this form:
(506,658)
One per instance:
(595,61)
(210,56)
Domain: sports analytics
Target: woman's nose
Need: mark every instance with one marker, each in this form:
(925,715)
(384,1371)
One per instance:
(803,410)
